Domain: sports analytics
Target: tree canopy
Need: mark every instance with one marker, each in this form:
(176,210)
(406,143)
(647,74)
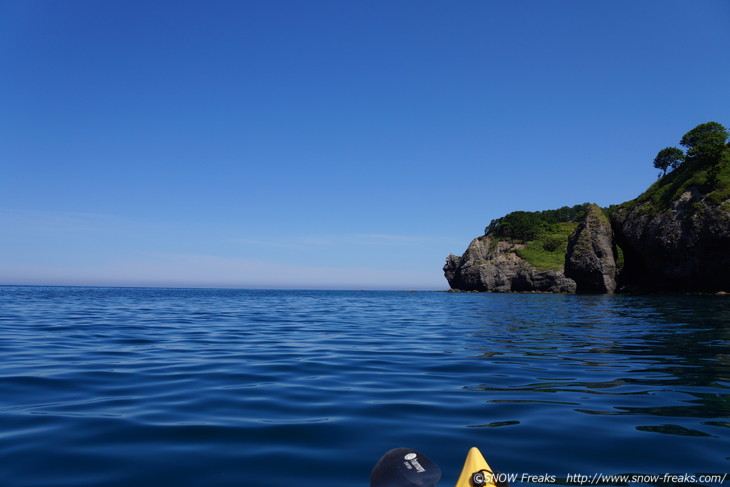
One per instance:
(668,157)
(529,225)
(705,145)
(705,142)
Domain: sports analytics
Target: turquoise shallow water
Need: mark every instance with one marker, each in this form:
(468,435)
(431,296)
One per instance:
(121,387)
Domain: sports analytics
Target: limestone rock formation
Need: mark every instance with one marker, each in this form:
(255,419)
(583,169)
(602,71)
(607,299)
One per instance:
(591,260)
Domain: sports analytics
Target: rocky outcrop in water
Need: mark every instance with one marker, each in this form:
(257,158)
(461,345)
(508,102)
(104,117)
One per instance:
(591,257)
(673,237)
(492,265)
(685,247)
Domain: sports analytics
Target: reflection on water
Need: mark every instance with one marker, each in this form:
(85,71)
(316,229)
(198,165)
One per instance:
(222,387)
(651,365)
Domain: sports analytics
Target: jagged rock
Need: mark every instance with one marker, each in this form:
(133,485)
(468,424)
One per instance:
(591,260)
(673,237)
(685,246)
(492,265)
(453,263)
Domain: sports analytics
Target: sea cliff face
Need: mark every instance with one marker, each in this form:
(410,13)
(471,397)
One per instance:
(680,245)
(673,237)
(591,257)
(493,265)
(685,247)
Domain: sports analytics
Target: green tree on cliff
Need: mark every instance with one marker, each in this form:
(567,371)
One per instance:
(668,157)
(705,143)
(529,225)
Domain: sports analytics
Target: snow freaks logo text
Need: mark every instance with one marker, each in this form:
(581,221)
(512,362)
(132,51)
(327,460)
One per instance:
(501,478)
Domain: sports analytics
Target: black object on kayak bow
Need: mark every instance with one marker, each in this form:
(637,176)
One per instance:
(404,467)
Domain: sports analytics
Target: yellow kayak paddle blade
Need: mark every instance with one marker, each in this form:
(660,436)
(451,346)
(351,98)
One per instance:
(476,471)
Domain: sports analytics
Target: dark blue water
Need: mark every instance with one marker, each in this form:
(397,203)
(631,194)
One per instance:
(143,387)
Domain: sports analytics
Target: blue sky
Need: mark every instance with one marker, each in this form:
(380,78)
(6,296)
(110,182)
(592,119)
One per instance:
(327,144)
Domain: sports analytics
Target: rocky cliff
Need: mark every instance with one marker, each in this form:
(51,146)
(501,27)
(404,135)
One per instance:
(493,265)
(591,256)
(673,237)
(571,251)
(685,247)
(676,235)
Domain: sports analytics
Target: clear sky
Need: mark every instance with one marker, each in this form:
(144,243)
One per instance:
(327,144)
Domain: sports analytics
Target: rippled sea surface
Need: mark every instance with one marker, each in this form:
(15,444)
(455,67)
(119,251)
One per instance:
(150,387)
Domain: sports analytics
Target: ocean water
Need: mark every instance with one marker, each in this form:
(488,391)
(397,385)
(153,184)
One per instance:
(150,387)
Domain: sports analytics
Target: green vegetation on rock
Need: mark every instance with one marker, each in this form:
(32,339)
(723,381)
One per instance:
(620,259)
(547,251)
(674,236)
(706,168)
(543,233)
(525,226)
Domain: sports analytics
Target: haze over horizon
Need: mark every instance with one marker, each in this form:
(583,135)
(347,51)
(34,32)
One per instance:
(327,144)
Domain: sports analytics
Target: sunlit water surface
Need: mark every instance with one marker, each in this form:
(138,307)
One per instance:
(149,387)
